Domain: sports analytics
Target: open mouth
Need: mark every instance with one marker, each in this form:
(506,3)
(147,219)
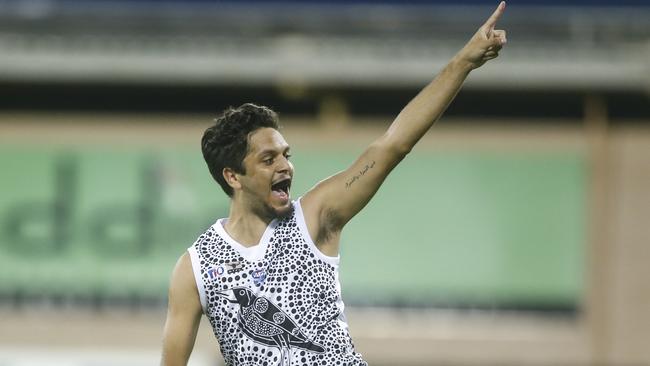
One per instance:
(282,187)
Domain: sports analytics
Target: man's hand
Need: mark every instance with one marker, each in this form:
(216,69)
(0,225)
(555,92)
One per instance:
(485,44)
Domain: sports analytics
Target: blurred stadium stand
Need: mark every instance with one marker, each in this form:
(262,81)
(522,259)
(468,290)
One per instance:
(557,51)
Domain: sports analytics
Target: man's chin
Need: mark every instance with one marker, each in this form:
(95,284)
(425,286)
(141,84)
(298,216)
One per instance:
(284,211)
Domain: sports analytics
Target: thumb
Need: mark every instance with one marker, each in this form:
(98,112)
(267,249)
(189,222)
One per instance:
(499,36)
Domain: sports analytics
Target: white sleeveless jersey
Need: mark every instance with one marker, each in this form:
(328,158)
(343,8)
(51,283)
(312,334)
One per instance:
(276,303)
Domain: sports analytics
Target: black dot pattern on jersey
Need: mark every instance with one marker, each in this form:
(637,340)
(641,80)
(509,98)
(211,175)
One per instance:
(283,309)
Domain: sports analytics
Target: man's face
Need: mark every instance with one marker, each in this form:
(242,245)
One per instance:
(267,181)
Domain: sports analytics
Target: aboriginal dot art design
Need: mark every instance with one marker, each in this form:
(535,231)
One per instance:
(280,307)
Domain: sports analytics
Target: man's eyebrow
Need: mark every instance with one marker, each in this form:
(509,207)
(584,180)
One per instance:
(273,151)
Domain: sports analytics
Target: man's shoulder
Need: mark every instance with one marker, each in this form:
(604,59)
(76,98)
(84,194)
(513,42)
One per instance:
(209,235)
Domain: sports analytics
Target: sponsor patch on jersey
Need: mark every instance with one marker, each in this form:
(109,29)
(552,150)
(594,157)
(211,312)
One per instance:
(215,272)
(235,267)
(259,275)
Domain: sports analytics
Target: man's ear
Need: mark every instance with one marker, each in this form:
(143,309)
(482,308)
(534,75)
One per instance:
(232,178)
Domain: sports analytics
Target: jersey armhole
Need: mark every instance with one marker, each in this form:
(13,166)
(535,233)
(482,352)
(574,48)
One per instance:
(196,269)
(302,225)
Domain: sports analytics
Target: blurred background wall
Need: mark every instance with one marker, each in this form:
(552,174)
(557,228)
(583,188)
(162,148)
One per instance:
(516,233)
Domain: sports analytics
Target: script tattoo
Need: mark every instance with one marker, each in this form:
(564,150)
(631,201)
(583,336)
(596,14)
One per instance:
(362,172)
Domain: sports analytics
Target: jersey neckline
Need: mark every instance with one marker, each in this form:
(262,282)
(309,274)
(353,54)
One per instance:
(250,253)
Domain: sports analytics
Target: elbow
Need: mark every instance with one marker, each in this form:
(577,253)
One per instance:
(396,147)
(392,150)
(401,150)
(396,150)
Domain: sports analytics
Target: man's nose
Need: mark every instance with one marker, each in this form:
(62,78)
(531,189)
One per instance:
(284,165)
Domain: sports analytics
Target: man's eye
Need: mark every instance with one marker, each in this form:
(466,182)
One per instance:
(268,161)
(287,156)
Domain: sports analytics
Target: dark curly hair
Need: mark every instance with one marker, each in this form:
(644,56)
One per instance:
(225,144)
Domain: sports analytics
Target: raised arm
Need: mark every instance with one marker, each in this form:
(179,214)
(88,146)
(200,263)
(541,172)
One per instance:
(334,201)
(183,315)
(423,110)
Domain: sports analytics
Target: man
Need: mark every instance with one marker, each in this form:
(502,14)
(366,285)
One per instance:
(267,276)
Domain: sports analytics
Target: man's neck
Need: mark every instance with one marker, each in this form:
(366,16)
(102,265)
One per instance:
(245,226)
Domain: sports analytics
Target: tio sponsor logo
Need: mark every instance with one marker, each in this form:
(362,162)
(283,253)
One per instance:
(215,272)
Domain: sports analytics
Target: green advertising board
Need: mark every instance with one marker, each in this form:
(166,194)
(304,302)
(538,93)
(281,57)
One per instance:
(457,228)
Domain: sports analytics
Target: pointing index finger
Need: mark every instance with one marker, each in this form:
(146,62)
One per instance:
(492,21)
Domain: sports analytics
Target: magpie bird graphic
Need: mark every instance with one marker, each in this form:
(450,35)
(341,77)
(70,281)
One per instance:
(265,323)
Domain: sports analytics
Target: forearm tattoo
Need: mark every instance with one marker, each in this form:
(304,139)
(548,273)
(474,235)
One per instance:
(361,173)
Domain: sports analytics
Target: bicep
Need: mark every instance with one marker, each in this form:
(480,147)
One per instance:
(338,198)
(183,315)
